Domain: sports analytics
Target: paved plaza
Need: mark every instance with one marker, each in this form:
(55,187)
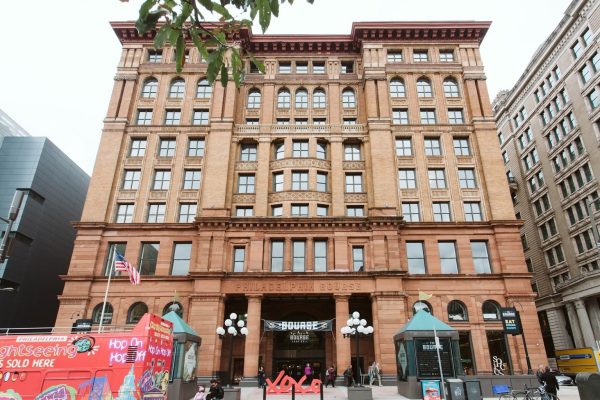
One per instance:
(379,393)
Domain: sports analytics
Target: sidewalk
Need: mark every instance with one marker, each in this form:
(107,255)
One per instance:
(379,393)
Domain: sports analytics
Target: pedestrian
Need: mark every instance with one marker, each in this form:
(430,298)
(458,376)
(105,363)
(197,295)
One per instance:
(308,372)
(550,382)
(200,393)
(331,374)
(261,377)
(374,373)
(540,371)
(216,391)
(349,376)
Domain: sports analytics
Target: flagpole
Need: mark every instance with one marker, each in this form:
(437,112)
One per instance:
(110,272)
(437,349)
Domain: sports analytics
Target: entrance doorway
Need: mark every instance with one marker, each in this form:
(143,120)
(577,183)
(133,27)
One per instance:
(294,367)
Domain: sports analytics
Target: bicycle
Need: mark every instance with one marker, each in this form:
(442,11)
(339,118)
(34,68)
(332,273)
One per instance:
(506,393)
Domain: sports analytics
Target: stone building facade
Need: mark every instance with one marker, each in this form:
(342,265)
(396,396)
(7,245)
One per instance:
(549,134)
(356,171)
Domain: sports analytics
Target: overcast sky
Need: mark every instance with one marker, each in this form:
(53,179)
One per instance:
(59,57)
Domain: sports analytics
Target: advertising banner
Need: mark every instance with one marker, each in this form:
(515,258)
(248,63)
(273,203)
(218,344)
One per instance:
(572,361)
(283,326)
(510,321)
(431,390)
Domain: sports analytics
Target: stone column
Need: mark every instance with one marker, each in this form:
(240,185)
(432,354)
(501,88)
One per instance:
(205,315)
(558,328)
(342,346)
(251,350)
(584,323)
(594,313)
(574,320)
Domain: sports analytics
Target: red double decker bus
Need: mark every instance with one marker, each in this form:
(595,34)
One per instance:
(92,366)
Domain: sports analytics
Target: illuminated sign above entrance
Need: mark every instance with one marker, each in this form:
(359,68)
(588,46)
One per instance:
(283,326)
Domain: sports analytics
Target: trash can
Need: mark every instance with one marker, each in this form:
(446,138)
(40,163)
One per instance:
(456,389)
(473,389)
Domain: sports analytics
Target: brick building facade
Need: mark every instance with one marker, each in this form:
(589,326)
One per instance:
(356,171)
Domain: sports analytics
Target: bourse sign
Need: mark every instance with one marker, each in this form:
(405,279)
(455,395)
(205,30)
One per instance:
(511,321)
(283,326)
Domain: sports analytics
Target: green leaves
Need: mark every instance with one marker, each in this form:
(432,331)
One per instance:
(180,19)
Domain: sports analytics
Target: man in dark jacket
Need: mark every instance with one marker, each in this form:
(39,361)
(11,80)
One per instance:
(550,382)
(216,391)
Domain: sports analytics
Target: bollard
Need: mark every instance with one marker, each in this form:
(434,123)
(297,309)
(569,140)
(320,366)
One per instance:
(321,390)
(264,392)
(293,392)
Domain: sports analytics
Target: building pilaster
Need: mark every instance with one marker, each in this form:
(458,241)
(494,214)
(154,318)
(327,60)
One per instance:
(205,315)
(594,313)
(342,346)
(584,323)
(574,321)
(251,350)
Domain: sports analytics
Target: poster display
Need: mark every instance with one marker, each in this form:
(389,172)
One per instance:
(431,390)
(427,360)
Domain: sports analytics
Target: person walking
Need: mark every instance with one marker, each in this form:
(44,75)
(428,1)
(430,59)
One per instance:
(331,374)
(349,376)
(550,382)
(261,377)
(374,373)
(308,372)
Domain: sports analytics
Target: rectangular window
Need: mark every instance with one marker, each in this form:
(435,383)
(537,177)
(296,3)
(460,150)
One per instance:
(166,148)
(394,56)
(162,179)
(322,210)
(318,67)
(448,258)
(585,74)
(595,63)
(156,213)
(321,150)
(466,177)
(433,147)
(300,121)
(427,116)
(109,265)
(461,147)
(319,121)
(481,259)
(277,210)
(505,157)
(182,253)
(299,180)
(187,212)
(298,256)
(301,67)
(446,56)
(352,152)
(441,212)
(586,36)
(347,67)
(246,183)
(196,147)
(355,211)
(410,212)
(358,258)
(244,211)
(278,182)
(501,138)
(349,121)
(437,179)
(191,179)
(415,255)
(403,147)
(299,210)
(148,258)
(252,121)
(320,254)
(400,116)
(131,179)
(172,117)
(576,50)
(300,148)
(138,148)
(277,253)
(248,152)
(285,67)
(472,211)
(144,117)
(593,99)
(354,183)
(155,56)
(239,259)
(407,178)
(420,56)
(200,117)
(321,181)
(455,116)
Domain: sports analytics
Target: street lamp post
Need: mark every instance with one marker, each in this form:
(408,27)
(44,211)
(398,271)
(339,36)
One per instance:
(233,329)
(355,326)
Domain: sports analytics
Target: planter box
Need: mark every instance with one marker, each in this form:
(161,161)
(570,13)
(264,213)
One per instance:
(360,393)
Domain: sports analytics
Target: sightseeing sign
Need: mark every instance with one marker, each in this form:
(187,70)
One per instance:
(510,321)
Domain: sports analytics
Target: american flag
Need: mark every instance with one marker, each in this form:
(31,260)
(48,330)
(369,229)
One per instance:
(121,264)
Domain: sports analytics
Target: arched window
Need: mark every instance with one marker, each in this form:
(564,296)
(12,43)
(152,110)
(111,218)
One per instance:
(490,310)
(457,311)
(136,312)
(422,305)
(348,98)
(108,314)
(283,99)
(301,98)
(451,88)
(254,98)
(424,88)
(397,88)
(173,306)
(149,89)
(177,89)
(204,89)
(319,99)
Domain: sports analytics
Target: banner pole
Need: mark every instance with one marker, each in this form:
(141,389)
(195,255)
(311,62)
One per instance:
(110,272)
(437,349)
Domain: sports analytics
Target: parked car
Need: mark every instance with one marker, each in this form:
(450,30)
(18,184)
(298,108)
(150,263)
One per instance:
(564,380)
